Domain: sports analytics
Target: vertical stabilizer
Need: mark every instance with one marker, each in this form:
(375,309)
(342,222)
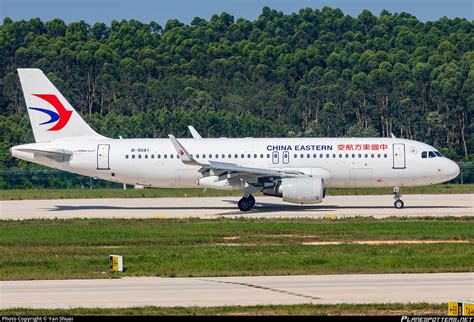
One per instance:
(51,115)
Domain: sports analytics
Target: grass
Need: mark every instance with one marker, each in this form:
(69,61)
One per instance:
(79,248)
(161,193)
(419,309)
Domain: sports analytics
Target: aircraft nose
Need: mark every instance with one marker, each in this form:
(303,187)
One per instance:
(452,169)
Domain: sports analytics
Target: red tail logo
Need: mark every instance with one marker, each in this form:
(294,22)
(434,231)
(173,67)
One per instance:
(62,116)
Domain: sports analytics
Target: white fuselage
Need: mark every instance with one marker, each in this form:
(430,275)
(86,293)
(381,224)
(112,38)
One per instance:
(342,162)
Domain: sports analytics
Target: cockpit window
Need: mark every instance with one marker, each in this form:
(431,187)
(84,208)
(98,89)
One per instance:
(430,154)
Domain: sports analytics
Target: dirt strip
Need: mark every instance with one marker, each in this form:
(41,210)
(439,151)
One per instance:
(388,242)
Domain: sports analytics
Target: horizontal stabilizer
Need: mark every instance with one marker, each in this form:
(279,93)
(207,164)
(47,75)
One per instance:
(46,152)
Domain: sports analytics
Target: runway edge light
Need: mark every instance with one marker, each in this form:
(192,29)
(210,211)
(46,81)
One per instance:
(116,263)
(460,308)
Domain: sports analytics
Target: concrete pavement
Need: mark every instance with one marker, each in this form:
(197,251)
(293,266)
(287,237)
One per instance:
(212,207)
(257,290)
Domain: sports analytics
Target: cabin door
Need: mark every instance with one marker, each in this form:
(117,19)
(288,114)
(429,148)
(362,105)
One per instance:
(399,160)
(103,157)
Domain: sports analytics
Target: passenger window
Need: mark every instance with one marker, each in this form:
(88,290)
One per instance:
(159,156)
(249,156)
(261,156)
(372,156)
(242,156)
(327,155)
(385,155)
(321,156)
(152,156)
(359,155)
(347,156)
(295,155)
(217,156)
(165,156)
(146,156)
(230,156)
(315,155)
(353,156)
(255,156)
(302,155)
(223,156)
(424,154)
(139,156)
(236,156)
(431,154)
(340,156)
(366,156)
(334,156)
(268,156)
(133,156)
(378,156)
(126,156)
(171,156)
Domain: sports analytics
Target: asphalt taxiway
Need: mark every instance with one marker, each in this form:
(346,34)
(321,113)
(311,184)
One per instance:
(212,207)
(220,291)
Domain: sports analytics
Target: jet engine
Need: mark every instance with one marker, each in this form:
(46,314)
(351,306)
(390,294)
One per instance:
(298,190)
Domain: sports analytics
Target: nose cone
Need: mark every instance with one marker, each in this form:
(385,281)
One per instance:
(452,169)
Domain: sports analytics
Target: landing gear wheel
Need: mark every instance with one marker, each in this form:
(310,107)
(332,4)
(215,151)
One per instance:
(397,195)
(245,204)
(399,204)
(252,199)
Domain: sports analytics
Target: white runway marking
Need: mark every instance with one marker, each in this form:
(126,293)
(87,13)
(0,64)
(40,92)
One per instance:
(212,207)
(258,290)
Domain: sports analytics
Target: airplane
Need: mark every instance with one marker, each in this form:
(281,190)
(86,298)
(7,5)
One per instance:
(296,169)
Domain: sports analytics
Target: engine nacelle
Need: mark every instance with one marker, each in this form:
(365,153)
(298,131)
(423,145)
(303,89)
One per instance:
(298,190)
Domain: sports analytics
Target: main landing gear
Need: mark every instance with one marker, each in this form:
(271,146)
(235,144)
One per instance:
(397,196)
(246,203)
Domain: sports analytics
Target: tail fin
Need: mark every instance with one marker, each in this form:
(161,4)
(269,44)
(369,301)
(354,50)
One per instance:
(51,115)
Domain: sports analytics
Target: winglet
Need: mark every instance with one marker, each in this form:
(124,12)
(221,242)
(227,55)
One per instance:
(184,156)
(194,133)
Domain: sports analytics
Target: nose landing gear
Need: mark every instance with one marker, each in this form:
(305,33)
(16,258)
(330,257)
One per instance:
(397,196)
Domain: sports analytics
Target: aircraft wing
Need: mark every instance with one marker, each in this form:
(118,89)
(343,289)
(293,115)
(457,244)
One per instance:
(194,133)
(221,168)
(224,169)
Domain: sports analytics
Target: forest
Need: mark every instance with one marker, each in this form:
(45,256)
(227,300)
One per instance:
(314,73)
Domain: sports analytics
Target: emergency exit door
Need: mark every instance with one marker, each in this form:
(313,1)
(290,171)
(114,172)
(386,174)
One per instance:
(275,157)
(399,160)
(103,157)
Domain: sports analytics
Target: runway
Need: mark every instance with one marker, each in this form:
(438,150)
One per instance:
(219,291)
(212,207)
